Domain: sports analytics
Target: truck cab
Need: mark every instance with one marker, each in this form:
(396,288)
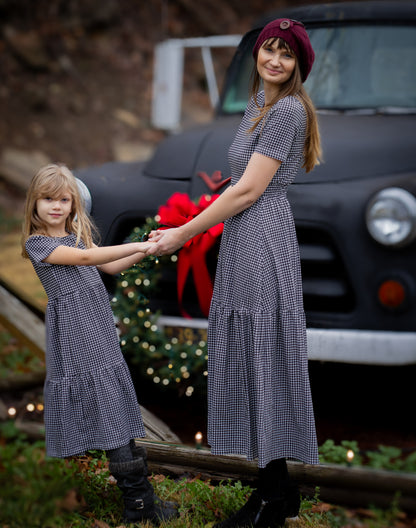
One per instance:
(355,214)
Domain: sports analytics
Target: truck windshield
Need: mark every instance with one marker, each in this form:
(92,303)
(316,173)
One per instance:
(356,67)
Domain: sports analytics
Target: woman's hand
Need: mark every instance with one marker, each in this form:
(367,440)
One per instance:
(166,241)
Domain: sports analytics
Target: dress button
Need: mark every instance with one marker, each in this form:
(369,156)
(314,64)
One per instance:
(285,24)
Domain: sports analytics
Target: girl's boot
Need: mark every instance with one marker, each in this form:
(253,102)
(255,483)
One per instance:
(140,501)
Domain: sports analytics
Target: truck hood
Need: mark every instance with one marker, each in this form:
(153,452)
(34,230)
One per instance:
(354,147)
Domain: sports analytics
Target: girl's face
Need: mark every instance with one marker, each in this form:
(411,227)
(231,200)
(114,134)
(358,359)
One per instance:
(54,212)
(275,65)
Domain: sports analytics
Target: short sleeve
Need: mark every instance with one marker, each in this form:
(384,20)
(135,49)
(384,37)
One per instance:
(280,129)
(39,247)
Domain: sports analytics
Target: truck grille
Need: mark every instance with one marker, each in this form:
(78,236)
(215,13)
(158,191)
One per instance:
(326,287)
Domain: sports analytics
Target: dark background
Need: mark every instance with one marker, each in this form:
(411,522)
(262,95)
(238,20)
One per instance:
(76,75)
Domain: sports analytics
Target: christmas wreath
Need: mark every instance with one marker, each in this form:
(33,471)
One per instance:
(171,362)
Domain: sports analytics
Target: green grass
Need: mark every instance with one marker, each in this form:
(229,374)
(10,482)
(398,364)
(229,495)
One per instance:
(40,492)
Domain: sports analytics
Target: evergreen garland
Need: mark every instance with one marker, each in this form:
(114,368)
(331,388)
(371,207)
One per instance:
(181,366)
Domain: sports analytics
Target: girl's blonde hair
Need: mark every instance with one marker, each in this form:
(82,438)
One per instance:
(312,152)
(53,181)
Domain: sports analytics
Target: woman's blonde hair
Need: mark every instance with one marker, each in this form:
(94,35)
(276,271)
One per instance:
(312,152)
(53,181)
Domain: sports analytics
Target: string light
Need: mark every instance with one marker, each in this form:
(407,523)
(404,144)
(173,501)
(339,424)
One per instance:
(350,456)
(30,407)
(198,440)
(11,411)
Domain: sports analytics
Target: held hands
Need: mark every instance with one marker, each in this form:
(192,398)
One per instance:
(165,242)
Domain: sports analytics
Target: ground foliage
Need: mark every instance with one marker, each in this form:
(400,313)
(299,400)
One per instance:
(40,492)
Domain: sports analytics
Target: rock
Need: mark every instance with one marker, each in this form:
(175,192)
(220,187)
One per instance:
(132,151)
(19,166)
(126,117)
(28,48)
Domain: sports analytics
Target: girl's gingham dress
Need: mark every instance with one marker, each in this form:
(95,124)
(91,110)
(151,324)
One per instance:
(90,401)
(259,401)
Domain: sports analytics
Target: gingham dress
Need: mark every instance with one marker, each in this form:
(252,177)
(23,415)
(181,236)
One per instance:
(90,401)
(259,401)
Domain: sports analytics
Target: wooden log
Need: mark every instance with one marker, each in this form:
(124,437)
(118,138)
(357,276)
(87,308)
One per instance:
(21,321)
(357,486)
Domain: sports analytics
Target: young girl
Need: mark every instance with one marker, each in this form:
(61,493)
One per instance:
(90,402)
(259,401)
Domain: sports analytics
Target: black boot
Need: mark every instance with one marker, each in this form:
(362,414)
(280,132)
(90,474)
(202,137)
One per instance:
(140,452)
(261,513)
(274,499)
(140,501)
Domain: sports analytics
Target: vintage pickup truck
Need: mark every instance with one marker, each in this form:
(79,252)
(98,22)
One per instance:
(355,214)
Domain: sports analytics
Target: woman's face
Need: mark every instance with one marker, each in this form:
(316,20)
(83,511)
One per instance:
(275,65)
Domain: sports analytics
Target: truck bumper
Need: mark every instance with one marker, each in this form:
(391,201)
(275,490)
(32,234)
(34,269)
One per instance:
(365,347)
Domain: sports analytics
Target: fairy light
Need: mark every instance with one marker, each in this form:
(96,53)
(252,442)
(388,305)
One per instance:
(150,371)
(39,407)
(11,411)
(350,456)
(137,282)
(124,284)
(131,295)
(198,440)
(30,407)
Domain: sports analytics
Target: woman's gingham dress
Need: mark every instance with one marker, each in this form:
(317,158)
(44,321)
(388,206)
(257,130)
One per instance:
(259,401)
(90,401)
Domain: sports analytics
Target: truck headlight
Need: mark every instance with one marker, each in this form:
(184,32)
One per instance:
(391,217)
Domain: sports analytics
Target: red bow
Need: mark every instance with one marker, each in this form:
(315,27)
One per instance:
(179,210)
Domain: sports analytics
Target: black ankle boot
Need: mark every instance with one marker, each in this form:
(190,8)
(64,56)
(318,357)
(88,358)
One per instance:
(245,516)
(261,513)
(140,501)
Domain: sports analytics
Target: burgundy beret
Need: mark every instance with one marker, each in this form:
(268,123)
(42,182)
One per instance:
(294,33)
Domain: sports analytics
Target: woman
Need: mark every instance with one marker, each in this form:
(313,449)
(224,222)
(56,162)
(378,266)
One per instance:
(259,401)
